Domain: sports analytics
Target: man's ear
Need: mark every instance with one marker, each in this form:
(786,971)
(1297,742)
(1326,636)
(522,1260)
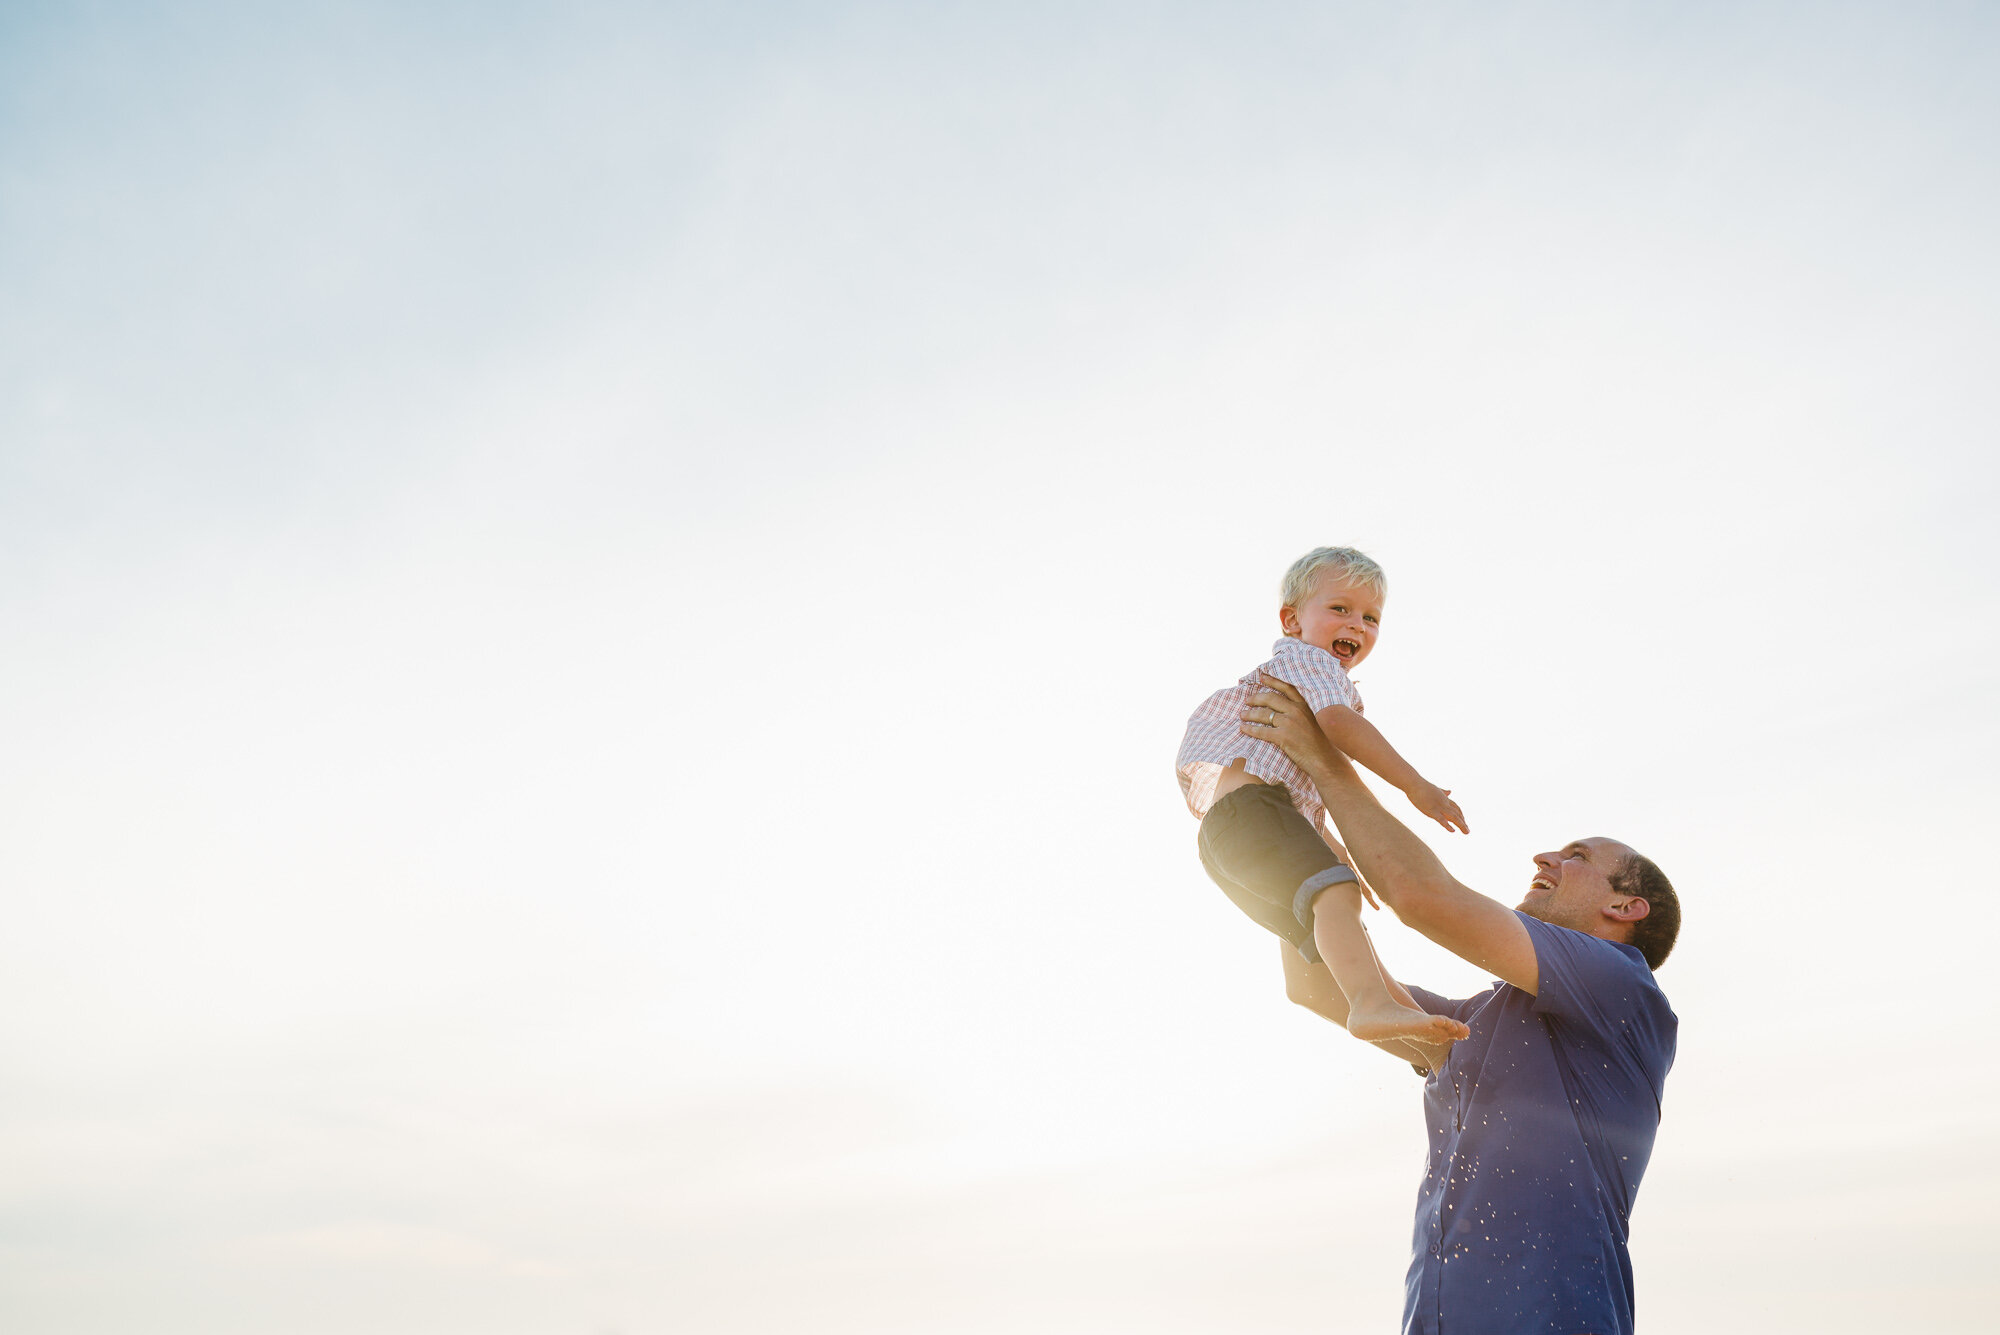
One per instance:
(1631,910)
(1288,621)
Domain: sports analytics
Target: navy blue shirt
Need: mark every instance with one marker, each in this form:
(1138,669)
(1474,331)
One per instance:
(1540,1127)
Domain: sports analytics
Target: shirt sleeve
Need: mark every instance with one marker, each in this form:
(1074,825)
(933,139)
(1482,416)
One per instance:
(1591,983)
(1460,1009)
(1433,1004)
(1319,677)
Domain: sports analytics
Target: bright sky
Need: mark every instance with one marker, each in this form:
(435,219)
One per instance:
(598,600)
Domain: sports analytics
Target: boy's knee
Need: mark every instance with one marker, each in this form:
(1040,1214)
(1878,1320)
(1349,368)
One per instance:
(1309,889)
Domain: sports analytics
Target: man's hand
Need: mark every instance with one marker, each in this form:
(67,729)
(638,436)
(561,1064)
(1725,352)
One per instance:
(1280,715)
(1436,803)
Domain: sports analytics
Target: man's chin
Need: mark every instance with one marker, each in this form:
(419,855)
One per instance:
(1534,910)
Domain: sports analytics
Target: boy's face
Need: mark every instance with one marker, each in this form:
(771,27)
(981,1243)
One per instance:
(1340,617)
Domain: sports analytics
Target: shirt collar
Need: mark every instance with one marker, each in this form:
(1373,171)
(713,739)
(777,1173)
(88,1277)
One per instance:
(1292,644)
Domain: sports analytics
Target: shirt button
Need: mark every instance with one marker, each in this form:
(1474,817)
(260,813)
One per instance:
(1434,1249)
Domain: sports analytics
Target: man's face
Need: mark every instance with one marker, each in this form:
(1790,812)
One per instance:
(1572,886)
(1339,616)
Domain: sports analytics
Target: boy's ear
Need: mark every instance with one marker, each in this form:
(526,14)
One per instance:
(1288,620)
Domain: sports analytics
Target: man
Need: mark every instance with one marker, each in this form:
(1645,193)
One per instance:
(1542,1121)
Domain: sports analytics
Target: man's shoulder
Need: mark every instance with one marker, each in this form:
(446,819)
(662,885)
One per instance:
(1614,954)
(1573,966)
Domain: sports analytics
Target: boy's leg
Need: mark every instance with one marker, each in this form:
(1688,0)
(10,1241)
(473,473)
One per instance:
(1269,860)
(1373,1012)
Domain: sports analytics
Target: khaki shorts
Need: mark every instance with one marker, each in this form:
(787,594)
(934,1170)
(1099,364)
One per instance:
(1269,860)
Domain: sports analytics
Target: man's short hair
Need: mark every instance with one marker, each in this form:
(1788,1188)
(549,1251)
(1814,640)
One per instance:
(1357,567)
(1655,933)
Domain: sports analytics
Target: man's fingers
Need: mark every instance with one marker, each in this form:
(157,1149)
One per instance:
(1273,705)
(1282,687)
(1264,707)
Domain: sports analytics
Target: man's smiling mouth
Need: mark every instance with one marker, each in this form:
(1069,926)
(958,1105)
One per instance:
(1541,883)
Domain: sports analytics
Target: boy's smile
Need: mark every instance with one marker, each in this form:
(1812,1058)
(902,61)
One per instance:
(1340,616)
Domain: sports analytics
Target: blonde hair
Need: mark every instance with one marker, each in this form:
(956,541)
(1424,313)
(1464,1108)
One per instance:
(1355,567)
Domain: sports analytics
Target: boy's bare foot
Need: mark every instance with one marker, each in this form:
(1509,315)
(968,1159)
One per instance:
(1390,1020)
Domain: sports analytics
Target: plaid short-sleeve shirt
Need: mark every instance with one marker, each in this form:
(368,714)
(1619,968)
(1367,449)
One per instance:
(1212,741)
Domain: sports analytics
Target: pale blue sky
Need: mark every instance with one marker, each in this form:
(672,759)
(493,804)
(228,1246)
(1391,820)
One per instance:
(559,566)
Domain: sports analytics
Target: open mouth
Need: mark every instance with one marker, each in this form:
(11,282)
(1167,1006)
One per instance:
(1345,649)
(1541,883)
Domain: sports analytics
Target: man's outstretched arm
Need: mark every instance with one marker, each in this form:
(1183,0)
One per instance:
(1400,866)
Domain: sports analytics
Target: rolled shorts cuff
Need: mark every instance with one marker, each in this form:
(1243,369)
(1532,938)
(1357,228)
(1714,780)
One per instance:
(1302,902)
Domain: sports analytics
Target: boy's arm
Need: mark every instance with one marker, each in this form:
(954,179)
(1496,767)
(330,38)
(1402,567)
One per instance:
(1312,986)
(1402,869)
(1362,740)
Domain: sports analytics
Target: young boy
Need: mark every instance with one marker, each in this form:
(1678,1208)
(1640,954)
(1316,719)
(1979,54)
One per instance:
(1262,825)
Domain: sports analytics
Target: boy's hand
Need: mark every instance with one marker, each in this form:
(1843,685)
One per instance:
(1436,803)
